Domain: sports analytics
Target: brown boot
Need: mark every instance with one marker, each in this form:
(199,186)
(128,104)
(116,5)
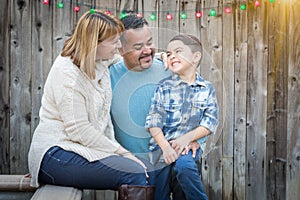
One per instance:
(136,192)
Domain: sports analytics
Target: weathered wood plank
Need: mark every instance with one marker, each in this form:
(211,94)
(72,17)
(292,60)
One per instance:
(256,105)
(240,88)
(227,105)
(41,55)
(293,107)
(212,69)
(277,103)
(20,102)
(4,86)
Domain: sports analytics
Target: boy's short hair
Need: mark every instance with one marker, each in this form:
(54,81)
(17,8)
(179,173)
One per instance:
(189,40)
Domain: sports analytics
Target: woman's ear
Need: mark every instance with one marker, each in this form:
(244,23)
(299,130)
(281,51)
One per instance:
(197,57)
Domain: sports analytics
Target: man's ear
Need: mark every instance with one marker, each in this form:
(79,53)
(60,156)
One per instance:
(197,57)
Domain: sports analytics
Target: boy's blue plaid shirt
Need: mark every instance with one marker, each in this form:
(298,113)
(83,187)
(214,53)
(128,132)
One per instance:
(178,108)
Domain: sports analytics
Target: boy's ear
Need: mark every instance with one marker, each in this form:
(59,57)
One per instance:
(197,57)
(121,51)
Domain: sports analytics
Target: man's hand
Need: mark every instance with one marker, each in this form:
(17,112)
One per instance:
(194,146)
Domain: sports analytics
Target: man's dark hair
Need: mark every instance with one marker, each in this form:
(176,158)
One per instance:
(132,21)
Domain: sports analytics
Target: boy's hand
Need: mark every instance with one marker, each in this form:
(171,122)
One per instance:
(169,154)
(181,143)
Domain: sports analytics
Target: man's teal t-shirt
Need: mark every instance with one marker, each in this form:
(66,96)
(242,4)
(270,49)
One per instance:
(132,93)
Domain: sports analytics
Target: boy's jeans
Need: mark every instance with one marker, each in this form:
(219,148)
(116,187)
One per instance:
(187,175)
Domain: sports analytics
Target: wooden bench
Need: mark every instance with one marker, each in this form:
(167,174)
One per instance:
(21,183)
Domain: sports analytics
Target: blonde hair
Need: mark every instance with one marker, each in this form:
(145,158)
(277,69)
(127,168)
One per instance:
(91,29)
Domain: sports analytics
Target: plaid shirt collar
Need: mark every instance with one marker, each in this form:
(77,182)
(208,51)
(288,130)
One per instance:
(199,80)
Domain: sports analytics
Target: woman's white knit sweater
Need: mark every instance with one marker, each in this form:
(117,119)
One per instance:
(74,115)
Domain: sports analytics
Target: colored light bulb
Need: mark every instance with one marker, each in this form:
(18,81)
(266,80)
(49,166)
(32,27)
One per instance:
(76,9)
(199,14)
(243,7)
(227,10)
(152,17)
(92,10)
(139,15)
(122,15)
(272,1)
(45,1)
(108,12)
(183,15)
(60,5)
(169,16)
(257,3)
(213,13)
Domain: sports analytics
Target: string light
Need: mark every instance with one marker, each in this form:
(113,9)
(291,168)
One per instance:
(169,16)
(60,4)
(243,6)
(76,8)
(227,10)
(108,12)
(139,15)
(257,3)
(212,13)
(183,15)
(45,2)
(152,16)
(92,10)
(199,14)
(122,15)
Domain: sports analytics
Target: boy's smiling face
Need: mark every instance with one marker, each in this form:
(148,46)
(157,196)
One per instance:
(181,59)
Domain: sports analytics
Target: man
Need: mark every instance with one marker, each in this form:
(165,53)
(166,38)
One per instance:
(134,80)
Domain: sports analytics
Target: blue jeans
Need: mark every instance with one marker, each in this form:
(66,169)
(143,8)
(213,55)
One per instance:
(187,175)
(66,168)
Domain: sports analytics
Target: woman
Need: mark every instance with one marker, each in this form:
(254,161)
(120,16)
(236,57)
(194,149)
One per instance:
(74,143)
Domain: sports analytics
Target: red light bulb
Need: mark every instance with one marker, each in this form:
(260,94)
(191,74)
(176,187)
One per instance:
(257,3)
(199,14)
(76,9)
(227,10)
(169,17)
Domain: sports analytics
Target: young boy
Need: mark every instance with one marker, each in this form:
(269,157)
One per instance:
(184,109)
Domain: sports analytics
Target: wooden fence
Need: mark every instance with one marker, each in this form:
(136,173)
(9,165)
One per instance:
(252,55)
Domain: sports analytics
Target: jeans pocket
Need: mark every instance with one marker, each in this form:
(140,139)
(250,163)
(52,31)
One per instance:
(60,155)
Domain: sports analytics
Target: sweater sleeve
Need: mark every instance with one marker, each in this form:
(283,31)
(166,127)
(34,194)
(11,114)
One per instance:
(74,112)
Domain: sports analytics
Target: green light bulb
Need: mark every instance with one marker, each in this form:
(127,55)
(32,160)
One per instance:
(243,7)
(152,17)
(122,15)
(213,13)
(60,5)
(183,15)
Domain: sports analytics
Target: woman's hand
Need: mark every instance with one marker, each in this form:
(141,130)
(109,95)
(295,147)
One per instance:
(132,157)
